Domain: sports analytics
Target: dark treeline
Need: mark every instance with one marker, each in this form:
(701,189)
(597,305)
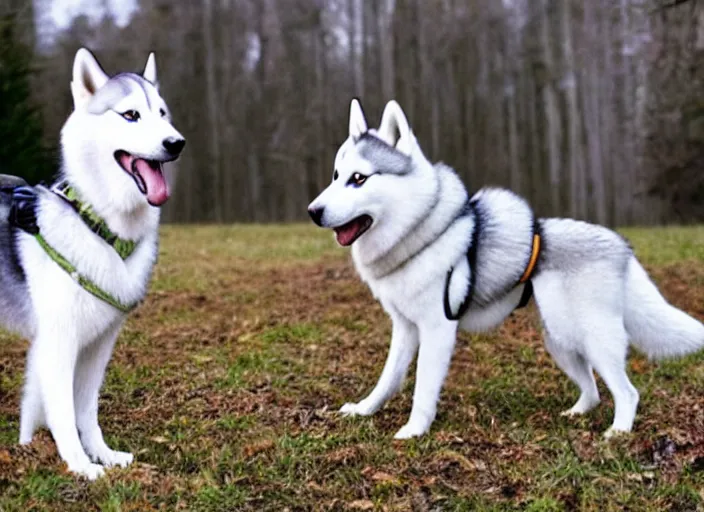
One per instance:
(590,108)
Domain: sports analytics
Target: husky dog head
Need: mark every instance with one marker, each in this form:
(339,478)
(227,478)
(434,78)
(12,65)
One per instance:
(382,183)
(118,137)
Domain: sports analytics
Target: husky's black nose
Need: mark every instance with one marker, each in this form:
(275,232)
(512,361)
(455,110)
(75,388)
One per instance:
(317,215)
(174,146)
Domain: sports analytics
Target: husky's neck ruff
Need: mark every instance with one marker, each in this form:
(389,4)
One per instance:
(434,220)
(97,225)
(124,248)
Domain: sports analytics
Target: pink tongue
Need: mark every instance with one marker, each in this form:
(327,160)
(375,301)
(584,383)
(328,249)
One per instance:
(345,234)
(157,188)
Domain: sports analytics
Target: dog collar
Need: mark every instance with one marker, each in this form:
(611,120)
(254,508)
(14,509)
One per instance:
(533,259)
(97,225)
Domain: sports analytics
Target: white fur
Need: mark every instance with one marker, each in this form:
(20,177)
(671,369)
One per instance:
(394,129)
(149,72)
(74,333)
(88,77)
(358,125)
(592,293)
(649,319)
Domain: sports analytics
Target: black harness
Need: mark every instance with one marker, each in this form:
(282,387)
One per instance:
(472,262)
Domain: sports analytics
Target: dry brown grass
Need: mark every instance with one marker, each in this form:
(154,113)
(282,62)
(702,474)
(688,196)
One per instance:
(226,381)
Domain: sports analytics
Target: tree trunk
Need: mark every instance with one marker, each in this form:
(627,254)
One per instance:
(575,167)
(386,48)
(212,102)
(551,114)
(595,106)
(512,36)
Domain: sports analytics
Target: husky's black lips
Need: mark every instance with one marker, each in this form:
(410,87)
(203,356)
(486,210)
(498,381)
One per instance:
(138,178)
(348,233)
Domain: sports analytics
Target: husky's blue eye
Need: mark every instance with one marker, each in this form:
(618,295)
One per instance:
(335,175)
(357,179)
(131,115)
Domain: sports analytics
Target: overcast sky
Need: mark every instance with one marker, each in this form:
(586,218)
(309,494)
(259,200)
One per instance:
(62,12)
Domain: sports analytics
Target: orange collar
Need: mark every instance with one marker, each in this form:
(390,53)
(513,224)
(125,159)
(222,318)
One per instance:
(533,259)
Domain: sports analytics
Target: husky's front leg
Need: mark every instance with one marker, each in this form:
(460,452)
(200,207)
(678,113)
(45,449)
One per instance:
(53,361)
(32,411)
(437,342)
(90,371)
(404,343)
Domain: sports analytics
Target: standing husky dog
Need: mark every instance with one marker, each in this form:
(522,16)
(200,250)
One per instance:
(85,253)
(437,260)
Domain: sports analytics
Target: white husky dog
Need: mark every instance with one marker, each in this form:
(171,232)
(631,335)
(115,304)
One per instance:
(439,260)
(74,259)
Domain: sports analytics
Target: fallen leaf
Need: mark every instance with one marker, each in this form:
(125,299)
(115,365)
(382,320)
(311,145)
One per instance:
(5,457)
(258,447)
(380,476)
(315,486)
(361,505)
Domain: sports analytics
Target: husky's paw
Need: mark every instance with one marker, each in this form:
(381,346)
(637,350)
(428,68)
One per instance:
(358,409)
(410,430)
(582,406)
(575,411)
(89,470)
(112,458)
(613,433)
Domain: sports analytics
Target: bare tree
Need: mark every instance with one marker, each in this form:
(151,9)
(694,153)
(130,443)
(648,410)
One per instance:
(581,106)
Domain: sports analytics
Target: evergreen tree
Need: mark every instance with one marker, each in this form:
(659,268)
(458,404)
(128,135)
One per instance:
(22,150)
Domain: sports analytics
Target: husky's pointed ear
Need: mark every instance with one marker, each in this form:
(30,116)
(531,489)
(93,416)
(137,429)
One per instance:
(149,72)
(358,123)
(394,128)
(88,77)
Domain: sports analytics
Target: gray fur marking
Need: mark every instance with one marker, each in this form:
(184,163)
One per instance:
(15,304)
(117,88)
(386,159)
(9,181)
(589,243)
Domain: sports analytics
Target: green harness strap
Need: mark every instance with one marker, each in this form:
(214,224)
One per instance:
(83,281)
(97,225)
(123,247)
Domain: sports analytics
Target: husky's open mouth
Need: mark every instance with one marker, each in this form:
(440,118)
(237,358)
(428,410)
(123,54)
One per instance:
(348,233)
(147,174)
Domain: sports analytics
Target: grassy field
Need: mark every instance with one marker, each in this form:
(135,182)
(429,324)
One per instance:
(225,384)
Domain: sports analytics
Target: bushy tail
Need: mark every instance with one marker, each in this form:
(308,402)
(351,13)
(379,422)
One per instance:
(654,326)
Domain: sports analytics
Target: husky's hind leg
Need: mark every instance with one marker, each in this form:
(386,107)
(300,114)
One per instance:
(404,343)
(583,312)
(90,370)
(606,351)
(32,413)
(580,372)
